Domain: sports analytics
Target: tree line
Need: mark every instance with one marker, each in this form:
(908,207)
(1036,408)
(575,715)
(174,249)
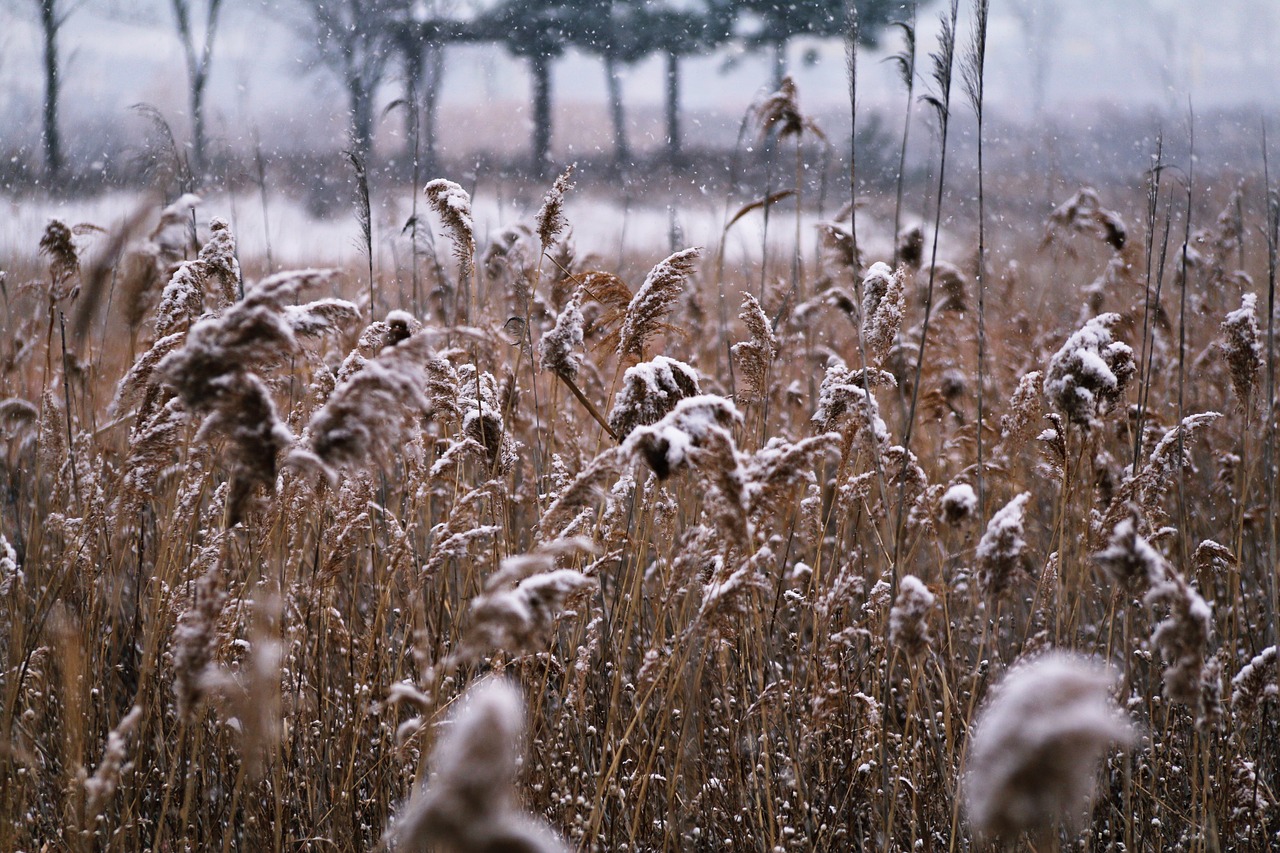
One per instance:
(363,41)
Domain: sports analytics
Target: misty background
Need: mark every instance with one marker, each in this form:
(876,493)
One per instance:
(1076,92)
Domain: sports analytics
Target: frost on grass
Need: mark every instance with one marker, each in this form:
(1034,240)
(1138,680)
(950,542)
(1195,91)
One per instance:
(469,803)
(1033,760)
(1000,558)
(1089,374)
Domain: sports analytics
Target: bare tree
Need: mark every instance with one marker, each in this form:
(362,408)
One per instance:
(53,15)
(422,30)
(353,37)
(197,48)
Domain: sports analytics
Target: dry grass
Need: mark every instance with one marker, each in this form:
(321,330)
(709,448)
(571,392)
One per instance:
(244,590)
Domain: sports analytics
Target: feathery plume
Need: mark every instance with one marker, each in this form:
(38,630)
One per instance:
(845,403)
(1089,374)
(1034,756)
(1183,640)
(1084,213)
(959,502)
(908,619)
(558,347)
(1255,681)
(1018,425)
(365,414)
(99,788)
(10,573)
(453,205)
(251,694)
(669,444)
(321,316)
(196,636)
(1243,348)
(550,220)
(883,304)
(653,300)
(58,245)
(469,802)
(780,112)
(753,357)
(1000,560)
(1129,560)
(649,391)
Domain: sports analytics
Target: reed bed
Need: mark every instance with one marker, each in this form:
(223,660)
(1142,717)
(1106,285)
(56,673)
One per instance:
(566,557)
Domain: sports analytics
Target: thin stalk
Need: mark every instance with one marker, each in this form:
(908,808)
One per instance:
(1269,442)
(974,73)
(906,62)
(1148,309)
(943,62)
(1182,342)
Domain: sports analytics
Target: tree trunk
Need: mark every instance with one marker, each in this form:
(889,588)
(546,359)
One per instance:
(673,106)
(412,50)
(52,139)
(361,103)
(198,165)
(433,81)
(541,68)
(617,112)
(779,63)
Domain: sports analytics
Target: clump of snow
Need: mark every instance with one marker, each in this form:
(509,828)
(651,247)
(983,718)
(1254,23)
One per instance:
(1088,375)
(649,391)
(958,503)
(667,445)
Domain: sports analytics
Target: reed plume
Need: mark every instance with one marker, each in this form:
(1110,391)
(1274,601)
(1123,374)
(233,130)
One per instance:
(452,205)
(754,356)
(468,805)
(1001,559)
(1243,348)
(653,300)
(1089,374)
(908,619)
(1033,759)
(102,785)
(366,413)
(549,221)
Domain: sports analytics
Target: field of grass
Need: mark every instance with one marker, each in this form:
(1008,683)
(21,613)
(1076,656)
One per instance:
(511,547)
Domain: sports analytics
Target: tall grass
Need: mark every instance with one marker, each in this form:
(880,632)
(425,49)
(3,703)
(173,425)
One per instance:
(268,577)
